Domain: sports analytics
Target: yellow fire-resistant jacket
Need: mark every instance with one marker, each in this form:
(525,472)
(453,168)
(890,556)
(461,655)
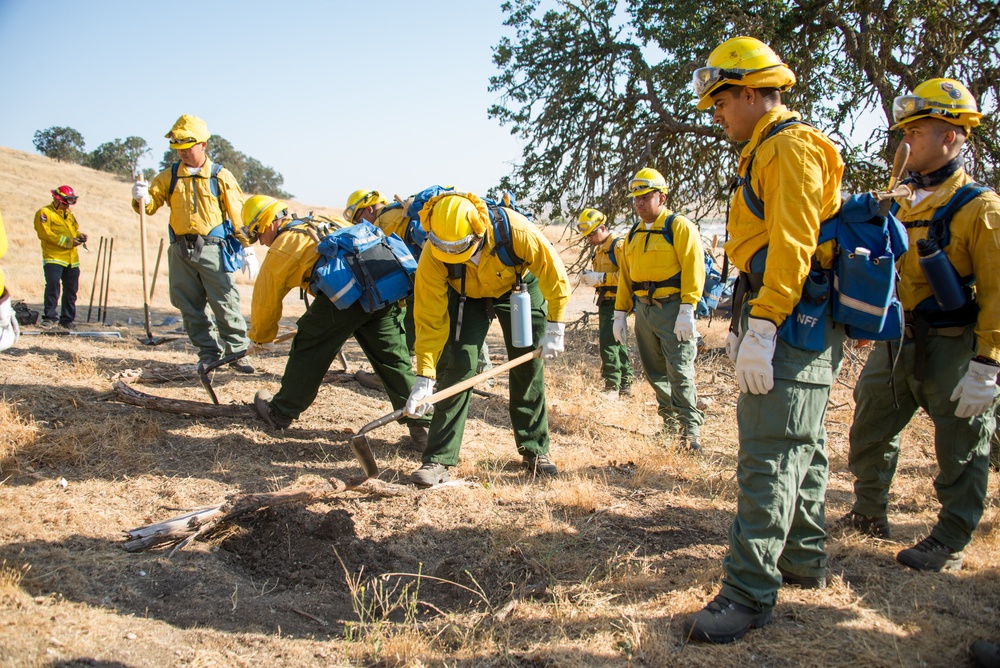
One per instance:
(393,220)
(797,174)
(193,207)
(3,250)
(603,263)
(974,250)
(57,230)
(650,257)
(490,278)
(288,265)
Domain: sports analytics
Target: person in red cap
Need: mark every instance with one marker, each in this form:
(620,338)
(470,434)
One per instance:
(60,234)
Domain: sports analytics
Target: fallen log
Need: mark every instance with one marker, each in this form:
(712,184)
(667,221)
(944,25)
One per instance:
(129,395)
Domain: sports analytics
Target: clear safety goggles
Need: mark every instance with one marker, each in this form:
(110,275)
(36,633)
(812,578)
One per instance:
(187,140)
(71,199)
(252,231)
(456,247)
(705,78)
(583,227)
(362,203)
(635,185)
(908,106)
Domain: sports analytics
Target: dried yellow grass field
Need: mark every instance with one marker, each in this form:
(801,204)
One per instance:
(597,567)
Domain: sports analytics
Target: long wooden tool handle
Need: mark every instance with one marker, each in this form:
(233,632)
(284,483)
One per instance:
(142,235)
(899,165)
(468,383)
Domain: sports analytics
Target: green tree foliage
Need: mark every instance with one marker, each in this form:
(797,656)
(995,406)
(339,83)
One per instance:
(63,144)
(599,88)
(119,156)
(253,176)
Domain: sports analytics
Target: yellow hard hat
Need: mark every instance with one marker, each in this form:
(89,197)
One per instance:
(590,220)
(187,131)
(361,199)
(646,180)
(455,223)
(741,61)
(944,99)
(259,212)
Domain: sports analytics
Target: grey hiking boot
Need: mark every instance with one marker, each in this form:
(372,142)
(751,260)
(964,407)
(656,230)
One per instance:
(274,419)
(688,443)
(418,436)
(985,654)
(430,474)
(723,621)
(930,554)
(242,366)
(539,465)
(802,581)
(876,527)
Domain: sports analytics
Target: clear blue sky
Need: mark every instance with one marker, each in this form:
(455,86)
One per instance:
(336,96)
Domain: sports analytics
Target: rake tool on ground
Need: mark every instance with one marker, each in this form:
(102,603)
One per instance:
(205,370)
(359,442)
(102,317)
(149,340)
(93,285)
(156,270)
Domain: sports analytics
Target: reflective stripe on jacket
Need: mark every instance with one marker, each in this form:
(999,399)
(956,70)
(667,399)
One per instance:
(57,230)
(490,278)
(193,207)
(649,257)
(797,173)
(974,250)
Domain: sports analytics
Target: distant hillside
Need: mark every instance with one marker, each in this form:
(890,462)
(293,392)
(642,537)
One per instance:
(104,209)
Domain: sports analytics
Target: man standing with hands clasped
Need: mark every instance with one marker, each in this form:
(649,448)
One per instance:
(60,234)
(793,171)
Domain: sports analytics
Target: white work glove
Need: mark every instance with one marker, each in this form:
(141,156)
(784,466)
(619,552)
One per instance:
(140,191)
(684,327)
(592,278)
(552,343)
(423,387)
(250,262)
(754,369)
(620,328)
(974,393)
(258,348)
(732,345)
(10,331)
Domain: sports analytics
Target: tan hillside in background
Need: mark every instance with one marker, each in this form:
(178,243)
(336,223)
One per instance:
(104,209)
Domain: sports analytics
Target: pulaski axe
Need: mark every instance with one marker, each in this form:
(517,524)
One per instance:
(149,340)
(359,442)
(205,370)
(896,189)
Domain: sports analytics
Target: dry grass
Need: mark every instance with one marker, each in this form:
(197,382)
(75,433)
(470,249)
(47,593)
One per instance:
(597,567)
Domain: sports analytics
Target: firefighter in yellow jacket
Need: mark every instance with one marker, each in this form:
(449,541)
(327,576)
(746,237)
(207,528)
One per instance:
(461,283)
(323,329)
(608,248)
(202,197)
(60,235)
(950,355)
(9,329)
(777,537)
(662,274)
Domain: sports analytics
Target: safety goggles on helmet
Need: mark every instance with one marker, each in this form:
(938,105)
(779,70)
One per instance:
(706,78)
(362,203)
(253,230)
(911,106)
(456,247)
(635,185)
(71,199)
(182,143)
(583,227)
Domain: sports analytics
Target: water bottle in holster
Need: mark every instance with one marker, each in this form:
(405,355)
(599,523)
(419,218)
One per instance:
(520,316)
(941,275)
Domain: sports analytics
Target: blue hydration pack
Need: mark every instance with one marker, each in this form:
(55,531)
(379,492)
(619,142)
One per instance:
(360,263)
(859,290)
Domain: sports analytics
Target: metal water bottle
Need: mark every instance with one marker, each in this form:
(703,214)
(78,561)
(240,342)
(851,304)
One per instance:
(520,316)
(941,275)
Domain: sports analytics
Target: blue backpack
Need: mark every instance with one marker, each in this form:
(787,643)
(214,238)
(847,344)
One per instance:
(360,263)
(859,289)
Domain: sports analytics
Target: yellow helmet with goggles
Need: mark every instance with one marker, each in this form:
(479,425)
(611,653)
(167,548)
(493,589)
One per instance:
(455,224)
(646,180)
(259,211)
(590,220)
(944,99)
(188,131)
(741,61)
(360,200)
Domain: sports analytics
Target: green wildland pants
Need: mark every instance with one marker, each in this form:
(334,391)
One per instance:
(669,365)
(782,472)
(615,366)
(962,445)
(322,332)
(458,361)
(197,284)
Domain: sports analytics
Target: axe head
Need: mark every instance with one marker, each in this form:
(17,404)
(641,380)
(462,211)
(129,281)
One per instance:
(363,452)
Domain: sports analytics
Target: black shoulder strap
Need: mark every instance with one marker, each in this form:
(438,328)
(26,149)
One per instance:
(753,202)
(940,225)
(611,250)
(503,237)
(213,182)
(667,231)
